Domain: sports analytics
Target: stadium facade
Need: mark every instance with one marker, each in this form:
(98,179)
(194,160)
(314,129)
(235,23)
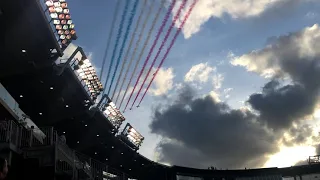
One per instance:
(52,123)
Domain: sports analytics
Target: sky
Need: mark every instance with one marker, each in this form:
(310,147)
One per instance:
(238,89)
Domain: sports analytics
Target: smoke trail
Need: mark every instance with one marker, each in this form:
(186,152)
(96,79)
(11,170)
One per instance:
(117,42)
(161,47)
(133,13)
(115,15)
(152,47)
(169,48)
(142,51)
(136,47)
(130,45)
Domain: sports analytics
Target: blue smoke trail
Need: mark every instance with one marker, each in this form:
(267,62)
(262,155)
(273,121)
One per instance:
(133,12)
(124,14)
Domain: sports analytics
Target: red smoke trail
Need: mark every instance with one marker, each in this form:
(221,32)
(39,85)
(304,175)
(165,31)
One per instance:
(169,48)
(152,47)
(161,47)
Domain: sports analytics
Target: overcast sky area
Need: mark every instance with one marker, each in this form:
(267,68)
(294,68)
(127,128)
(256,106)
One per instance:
(240,87)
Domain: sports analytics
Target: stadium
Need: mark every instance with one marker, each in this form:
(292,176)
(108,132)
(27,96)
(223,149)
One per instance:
(57,121)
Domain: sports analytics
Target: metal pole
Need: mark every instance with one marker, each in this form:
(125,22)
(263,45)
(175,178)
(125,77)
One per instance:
(69,60)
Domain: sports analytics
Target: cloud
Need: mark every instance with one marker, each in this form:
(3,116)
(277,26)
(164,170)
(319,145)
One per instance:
(208,132)
(200,72)
(311,15)
(268,62)
(217,80)
(280,106)
(163,82)
(236,9)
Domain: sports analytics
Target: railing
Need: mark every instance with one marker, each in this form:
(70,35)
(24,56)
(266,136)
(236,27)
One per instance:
(67,160)
(314,159)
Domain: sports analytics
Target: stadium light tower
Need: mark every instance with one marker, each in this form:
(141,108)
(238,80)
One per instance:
(132,137)
(60,17)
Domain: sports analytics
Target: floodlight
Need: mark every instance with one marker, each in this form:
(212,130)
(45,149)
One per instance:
(63,22)
(68,36)
(58,27)
(132,135)
(64,41)
(62,36)
(55,22)
(58,9)
(61,16)
(66,11)
(62,0)
(71,26)
(72,32)
(66,32)
(68,16)
(69,22)
(65,27)
(64,5)
(60,32)
(52,9)
(54,15)
(49,3)
(57,4)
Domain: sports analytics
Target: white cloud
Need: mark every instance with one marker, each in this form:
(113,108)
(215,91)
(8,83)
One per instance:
(215,95)
(217,80)
(226,92)
(236,9)
(163,82)
(311,15)
(266,62)
(199,72)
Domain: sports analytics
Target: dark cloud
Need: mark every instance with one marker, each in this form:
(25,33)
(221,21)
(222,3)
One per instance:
(210,133)
(299,135)
(207,133)
(279,107)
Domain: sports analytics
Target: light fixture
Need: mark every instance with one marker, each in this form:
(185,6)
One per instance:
(54,15)
(52,9)
(62,36)
(64,5)
(106,159)
(122,153)
(66,11)
(49,3)
(95,153)
(64,132)
(135,160)
(61,16)
(57,4)
(112,147)
(69,22)
(129,169)
(58,27)
(56,22)
(58,9)
(67,105)
(120,165)
(62,0)
(142,164)
(98,135)
(21,96)
(51,88)
(85,125)
(71,26)
(40,114)
(78,142)
(23,50)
